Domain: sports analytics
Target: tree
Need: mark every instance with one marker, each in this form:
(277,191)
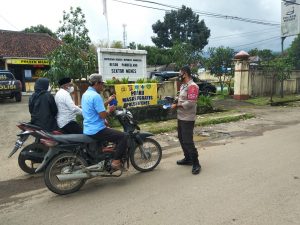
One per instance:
(183,54)
(40,29)
(281,69)
(294,53)
(181,26)
(155,56)
(73,30)
(265,55)
(220,64)
(116,44)
(75,58)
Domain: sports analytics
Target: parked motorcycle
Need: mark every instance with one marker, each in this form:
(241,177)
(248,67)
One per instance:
(74,158)
(33,154)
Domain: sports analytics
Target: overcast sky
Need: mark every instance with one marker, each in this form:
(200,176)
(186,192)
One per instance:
(19,14)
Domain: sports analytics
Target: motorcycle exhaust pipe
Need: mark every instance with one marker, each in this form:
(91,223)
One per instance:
(76,176)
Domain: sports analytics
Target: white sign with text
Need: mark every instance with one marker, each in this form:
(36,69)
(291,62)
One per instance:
(290,22)
(122,63)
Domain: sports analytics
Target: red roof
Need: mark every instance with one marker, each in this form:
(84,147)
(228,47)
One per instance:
(30,45)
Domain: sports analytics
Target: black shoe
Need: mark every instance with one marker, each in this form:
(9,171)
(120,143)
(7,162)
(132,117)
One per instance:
(185,161)
(196,169)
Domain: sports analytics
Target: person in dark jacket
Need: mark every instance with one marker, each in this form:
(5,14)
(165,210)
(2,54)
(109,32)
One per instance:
(42,106)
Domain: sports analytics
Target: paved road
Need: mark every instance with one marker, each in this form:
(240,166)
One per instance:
(251,175)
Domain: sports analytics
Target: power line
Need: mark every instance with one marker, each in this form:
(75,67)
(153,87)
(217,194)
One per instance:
(9,22)
(272,38)
(245,33)
(210,14)
(217,15)
(149,7)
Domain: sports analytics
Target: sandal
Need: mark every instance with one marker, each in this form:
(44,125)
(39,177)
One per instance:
(116,165)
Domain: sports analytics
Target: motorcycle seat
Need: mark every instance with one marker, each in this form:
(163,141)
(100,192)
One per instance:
(30,125)
(73,138)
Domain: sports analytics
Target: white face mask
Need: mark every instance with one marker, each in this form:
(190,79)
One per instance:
(70,89)
(49,88)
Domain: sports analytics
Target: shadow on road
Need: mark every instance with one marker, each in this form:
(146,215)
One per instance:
(10,188)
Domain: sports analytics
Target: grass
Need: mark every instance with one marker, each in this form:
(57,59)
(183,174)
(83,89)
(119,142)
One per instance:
(202,120)
(260,101)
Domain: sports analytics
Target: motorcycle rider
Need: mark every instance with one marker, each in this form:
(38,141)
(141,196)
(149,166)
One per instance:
(42,106)
(67,110)
(94,114)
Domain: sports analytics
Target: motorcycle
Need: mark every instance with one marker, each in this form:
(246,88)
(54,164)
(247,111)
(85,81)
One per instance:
(74,158)
(33,154)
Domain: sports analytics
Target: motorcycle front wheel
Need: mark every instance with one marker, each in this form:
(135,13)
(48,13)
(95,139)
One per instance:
(65,163)
(147,156)
(30,165)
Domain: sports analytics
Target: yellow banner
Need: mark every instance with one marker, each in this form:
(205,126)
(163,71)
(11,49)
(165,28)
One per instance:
(28,61)
(136,94)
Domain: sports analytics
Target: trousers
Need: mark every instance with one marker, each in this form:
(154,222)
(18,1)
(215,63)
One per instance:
(115,136)
(72,128)
(185,136)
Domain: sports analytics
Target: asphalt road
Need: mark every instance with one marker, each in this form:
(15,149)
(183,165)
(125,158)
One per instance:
(250,175)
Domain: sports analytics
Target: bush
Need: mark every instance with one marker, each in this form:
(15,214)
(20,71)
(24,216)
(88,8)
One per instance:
(204,104)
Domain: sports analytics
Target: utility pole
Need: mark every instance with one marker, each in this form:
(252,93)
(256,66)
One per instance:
(124,36)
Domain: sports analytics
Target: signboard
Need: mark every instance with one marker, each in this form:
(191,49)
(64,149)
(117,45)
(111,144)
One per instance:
(136,94)
(28,61)
(122,63)
(290,22)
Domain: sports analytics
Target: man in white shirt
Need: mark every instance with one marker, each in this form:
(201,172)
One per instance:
(67,110)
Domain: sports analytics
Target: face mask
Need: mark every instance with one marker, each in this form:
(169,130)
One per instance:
(70,89)
(49,88)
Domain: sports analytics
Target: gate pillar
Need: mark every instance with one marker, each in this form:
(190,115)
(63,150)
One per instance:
(241,76)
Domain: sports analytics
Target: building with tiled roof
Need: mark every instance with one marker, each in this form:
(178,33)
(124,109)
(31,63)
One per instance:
(25,54)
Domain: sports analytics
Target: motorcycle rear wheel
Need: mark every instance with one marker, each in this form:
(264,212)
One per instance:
(59,164)
(29,166)
(148,160)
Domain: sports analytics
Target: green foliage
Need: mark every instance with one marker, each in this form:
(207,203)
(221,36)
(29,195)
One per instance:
(73,30)
(113,81)
(294,53)
(281,67)
(140,81)
(143,80)
(261,101)
(204,101)
(125,80)
(39,29)
(183,54)
(265,55)
(219,59)
(74,58)
(181,26)
(116,44)
(218,63)
(155,55)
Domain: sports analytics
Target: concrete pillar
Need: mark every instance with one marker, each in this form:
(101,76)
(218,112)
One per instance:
(241,76)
